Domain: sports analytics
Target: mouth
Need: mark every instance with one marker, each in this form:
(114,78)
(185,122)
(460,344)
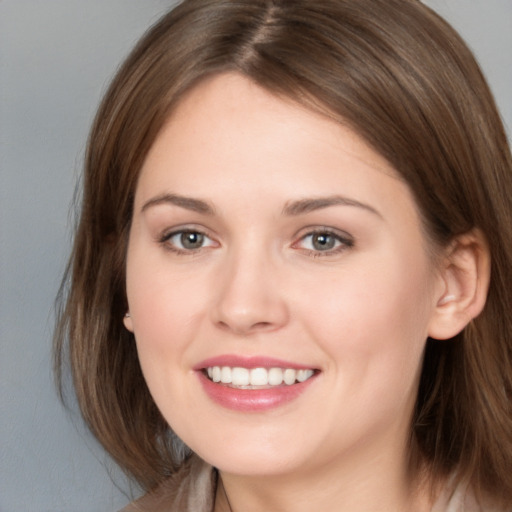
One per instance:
(257,378)
(254,384)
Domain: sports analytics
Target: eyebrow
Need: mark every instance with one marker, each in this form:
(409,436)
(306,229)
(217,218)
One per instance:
(300,207)
(307,205)
(189,203)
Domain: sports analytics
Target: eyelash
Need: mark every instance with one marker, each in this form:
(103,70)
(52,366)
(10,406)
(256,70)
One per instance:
(166,238)
(343,241)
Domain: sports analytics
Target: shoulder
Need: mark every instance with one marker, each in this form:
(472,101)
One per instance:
(191,489)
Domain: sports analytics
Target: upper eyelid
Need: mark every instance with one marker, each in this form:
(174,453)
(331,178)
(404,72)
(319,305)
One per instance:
(191,228)
(312,230)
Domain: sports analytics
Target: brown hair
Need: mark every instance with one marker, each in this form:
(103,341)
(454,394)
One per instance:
(398,75)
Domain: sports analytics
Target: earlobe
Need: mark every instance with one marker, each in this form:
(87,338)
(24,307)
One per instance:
(127,320)
(465,274)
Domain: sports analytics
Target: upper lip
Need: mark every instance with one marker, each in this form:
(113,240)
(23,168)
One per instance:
(233,361)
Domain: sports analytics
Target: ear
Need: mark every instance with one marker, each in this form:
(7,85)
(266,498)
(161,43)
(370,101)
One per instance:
(127,320)
(464,281)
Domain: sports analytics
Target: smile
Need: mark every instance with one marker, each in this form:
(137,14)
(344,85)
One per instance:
(254,384)
(257,378)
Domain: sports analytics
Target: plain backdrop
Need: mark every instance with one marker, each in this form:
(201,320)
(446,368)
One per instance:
(56,58)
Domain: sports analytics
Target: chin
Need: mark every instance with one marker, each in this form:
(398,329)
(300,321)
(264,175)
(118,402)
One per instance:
(264,456)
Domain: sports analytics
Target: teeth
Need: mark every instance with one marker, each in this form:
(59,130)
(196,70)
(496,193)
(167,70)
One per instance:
(303,375)
(289,376)
(243,377)
(240,377)
(259,377)
(225,375)
(275,376)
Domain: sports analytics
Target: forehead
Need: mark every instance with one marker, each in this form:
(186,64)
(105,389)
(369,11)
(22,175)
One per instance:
(229,121)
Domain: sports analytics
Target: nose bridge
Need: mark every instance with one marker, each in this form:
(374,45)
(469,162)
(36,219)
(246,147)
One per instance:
(249,297)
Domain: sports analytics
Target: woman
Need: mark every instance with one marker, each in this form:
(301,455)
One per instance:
(290,281)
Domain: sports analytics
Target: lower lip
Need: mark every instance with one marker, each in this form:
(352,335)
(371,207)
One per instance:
(252,400)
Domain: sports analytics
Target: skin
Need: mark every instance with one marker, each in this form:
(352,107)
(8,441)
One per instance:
(359,313)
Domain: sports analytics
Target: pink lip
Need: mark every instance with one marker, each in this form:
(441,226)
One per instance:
(250,400)
(248,362)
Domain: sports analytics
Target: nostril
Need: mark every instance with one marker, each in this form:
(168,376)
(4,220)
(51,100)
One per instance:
(222,325)
(245,329)
(261,325)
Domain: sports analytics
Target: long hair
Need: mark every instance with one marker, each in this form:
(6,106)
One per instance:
(399,76)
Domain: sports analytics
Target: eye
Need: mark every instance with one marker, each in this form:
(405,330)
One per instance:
(324,241)
(187,240)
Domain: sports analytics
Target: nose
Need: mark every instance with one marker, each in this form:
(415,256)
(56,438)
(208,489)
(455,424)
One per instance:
(250,296)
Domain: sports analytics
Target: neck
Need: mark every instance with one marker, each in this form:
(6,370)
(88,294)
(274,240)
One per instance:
(378,486)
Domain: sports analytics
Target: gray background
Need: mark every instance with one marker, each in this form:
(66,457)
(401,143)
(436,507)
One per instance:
(56,57)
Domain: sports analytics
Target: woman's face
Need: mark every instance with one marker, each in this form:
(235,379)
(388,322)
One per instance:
(270,243)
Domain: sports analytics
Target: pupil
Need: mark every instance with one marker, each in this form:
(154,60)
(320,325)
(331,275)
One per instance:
(192,240)
(323,242)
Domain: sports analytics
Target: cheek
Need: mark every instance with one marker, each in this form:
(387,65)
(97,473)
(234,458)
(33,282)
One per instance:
(164,315)
(374,321)
(162,307)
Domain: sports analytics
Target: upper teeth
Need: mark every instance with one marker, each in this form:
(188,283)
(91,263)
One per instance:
(238,376)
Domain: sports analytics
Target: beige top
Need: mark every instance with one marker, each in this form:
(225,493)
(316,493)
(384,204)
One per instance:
(192,489)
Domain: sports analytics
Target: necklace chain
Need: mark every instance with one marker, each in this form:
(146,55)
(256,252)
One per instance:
(226,496)
(220,483)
